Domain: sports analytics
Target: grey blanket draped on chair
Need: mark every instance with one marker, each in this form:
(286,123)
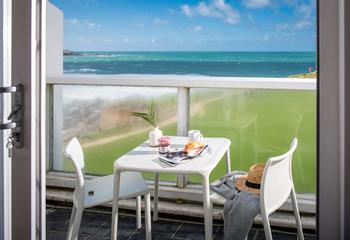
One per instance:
(240,207)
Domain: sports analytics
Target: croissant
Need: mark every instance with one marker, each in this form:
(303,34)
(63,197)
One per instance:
(193,145)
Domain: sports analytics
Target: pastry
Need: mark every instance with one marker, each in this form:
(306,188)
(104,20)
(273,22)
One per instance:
(193,145)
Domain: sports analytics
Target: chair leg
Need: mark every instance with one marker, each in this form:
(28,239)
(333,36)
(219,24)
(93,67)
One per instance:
(138,212)
(76,223)
(155,204)
(70,228)
(115,204)
(267,229)
(296,214)
(148,216)
(207,205)
(210,211)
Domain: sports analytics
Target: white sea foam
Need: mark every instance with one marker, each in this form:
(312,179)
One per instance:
(87,70)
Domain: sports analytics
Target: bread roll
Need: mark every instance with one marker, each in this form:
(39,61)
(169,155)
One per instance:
(193,145)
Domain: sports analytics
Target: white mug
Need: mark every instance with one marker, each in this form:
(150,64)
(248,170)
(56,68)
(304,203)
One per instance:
(195,136)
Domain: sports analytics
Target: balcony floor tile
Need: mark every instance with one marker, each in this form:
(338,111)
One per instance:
(97,225)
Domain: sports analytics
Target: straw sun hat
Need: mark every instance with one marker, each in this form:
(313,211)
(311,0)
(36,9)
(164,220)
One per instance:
(252,180)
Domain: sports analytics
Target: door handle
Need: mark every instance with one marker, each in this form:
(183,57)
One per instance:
(10,125)
(16,114)
(11,89)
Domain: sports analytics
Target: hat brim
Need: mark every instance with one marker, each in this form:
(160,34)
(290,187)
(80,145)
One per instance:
(240,185)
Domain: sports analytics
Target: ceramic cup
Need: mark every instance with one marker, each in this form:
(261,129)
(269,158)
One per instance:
(195,136)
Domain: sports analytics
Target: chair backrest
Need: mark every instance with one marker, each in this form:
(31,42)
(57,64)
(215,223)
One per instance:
(75,153)
(277,180)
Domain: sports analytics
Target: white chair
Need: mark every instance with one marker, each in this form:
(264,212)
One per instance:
(276,186)
(89,193)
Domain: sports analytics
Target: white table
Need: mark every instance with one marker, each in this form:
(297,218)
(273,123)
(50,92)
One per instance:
(145,159)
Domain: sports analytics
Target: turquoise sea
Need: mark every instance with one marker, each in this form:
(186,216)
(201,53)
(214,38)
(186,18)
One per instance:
(243,64)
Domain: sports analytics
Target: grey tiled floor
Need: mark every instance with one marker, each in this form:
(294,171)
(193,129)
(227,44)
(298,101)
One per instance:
(97,225)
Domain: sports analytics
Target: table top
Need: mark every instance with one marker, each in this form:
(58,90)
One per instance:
(144,158)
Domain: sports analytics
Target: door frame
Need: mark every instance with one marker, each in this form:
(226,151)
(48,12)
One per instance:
(333,166)
(28,162)
(5,104)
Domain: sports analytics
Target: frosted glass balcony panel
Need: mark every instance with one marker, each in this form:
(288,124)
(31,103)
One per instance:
(260,124)
(100,118)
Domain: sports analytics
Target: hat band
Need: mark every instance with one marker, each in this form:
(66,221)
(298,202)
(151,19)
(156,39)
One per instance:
(252,185)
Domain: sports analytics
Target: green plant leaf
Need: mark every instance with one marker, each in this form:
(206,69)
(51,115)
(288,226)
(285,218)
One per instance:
(149,117)
(151,113)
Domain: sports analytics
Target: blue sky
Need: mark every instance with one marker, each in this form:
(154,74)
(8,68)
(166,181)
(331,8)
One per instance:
(189,25)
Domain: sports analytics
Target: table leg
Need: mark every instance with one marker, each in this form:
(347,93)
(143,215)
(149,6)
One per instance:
(148,216)
(228,160)
(115,205)
(208,218)
(155,201)
(138,212)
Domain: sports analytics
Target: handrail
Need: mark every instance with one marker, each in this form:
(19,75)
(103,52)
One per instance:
(183,83)
(188,81)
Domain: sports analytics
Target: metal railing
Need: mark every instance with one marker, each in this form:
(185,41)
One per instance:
(182,83)
(185,81)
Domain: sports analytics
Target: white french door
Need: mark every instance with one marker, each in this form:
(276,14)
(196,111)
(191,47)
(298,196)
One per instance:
(22,169)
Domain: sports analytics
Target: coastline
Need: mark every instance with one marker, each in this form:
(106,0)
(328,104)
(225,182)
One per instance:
(224,64)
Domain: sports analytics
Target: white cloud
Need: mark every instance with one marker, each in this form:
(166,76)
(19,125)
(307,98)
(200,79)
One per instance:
(89,24)
(231,15)
(302,24)
(266,38)
(186,9)
(290,2)
(85,40)
(72,21)
(106,40)
(158,21)
(81,23)
(126,40)
(256,3)
(172,11)
(197,28)
(95,40)
(305,12)
(282,26)
(153,40)
(139,25)
(205,10)
(215,8)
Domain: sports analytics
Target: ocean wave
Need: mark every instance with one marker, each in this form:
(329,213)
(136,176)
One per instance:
(105,55)
(99,55)
(81,70)
(87,70)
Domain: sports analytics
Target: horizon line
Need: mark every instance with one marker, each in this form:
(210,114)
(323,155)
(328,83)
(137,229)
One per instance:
(217,51)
